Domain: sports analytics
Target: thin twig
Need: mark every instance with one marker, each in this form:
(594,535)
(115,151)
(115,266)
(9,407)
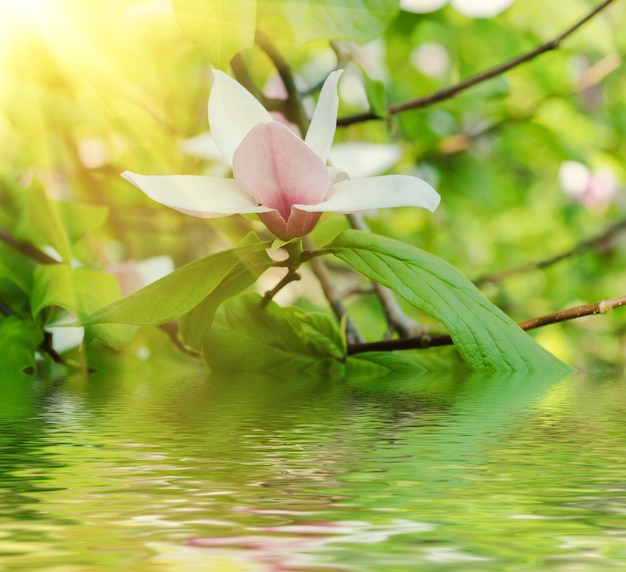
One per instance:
(243,77)
(601,307)
(430,341)
(452,91)
(5,309)
(47,347)
(591,243)
(353,336)
(295,110)
(171,331)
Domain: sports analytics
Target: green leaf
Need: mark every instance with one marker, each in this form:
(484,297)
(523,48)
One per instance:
(177,293)
(357,20)
(378,365)
(16,268)
(12,200)
(376,95)
(247,336)
(19,341)
(80,291)
(220,28)
(194,325)
(41,222)
(487,339)
(81,219)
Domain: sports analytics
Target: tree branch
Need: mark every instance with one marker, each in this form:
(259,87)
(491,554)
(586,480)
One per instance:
(397,320)
(26,248)
(601,307)
(47,347)
(426,341)
(590,243)
(452,91)
(295,110)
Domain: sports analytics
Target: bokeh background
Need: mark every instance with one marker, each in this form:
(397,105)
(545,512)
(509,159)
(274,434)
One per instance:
(530,165)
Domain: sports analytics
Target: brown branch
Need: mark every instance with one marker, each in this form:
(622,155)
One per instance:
(601,307)
(295,110)
(452,91)
(591,243)
(26,248)
(430,341)
(47,347)
(240,70)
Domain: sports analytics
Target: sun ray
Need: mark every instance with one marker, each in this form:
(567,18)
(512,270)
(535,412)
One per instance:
(73,70)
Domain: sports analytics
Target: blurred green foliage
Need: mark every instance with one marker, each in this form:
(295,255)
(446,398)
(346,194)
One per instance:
(529,164)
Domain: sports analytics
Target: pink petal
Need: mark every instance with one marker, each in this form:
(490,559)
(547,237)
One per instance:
(321,130)
(233,112)
(279,170)
(300,223)
(377,193)
(204,197)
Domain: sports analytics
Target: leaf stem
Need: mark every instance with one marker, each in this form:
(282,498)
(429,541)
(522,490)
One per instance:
(291,276)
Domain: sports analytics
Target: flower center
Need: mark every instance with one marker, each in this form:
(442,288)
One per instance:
(279,169)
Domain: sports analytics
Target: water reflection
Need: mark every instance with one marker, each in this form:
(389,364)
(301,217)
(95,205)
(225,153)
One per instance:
(439,472)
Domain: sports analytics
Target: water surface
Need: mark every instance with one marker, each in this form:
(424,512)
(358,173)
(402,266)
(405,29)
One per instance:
(153,471)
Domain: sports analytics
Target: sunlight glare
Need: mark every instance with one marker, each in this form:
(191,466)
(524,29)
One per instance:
(80,70)
(19,15)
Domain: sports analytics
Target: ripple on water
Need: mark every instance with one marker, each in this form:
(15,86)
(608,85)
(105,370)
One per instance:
(474,475)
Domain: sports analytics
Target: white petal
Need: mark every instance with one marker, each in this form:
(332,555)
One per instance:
(66,338)
(324,121)
(233,112)
(204,197)
(358,195)
(362,159)
(154,268)
(422,6)
(202,146)
(481,8)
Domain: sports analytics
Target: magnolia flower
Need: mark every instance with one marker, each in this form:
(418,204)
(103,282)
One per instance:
(277,175)
(356,158)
